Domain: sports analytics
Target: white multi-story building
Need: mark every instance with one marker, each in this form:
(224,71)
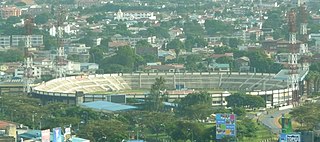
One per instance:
(35,40)
(134,15)
(21,40)
(133,40)
(4,41)
(78,49)
(35,72)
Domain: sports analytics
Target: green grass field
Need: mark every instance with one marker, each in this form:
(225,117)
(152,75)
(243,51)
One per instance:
(263,133)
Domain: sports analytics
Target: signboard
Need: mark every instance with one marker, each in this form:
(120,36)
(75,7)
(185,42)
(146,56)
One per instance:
(290,138)
(225,125)
(57,135)
(293,138)
(283,138)
(45,135)
(67,133)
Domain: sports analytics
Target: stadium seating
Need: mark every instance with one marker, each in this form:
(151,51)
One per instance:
(116,82)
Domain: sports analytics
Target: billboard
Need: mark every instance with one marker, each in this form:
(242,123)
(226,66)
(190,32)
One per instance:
(225,125)
(290,137)
(45,135)
(57,135)
(67,133)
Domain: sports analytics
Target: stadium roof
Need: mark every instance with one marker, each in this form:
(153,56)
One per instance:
(107,106)
(284,74)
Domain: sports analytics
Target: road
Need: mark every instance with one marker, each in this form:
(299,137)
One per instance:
(271,120)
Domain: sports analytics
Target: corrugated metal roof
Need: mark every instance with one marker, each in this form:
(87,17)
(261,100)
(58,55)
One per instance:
(107,106)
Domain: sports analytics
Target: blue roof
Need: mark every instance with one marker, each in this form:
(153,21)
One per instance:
(31,134)
(107,106)
(222,65)
(79,140)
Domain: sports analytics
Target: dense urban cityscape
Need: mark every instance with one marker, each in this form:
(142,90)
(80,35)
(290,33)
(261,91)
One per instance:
(159,70)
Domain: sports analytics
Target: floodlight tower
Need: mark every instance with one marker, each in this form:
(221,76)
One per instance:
(28,59)
(293,56)
(60,57)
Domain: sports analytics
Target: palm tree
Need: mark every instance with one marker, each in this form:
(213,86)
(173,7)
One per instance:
(309,79)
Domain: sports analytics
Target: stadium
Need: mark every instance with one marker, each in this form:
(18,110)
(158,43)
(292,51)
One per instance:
(273,88)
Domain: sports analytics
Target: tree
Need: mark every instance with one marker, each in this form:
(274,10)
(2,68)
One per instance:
(88,41)
(192,62)
(41,18)
(12,20)
(96,55)
(125,60)
(309,80)
(307,115)
(143,43)
(105,130)
(274,20)
(195,42)
(246,128)
(184,130)
(156,96)
(224,60)
(222,50)
(12,55)
(217,27)
(177,45)
(234,42)
(193,28)
(243,100)
(122,29)
(159,32)
(195,105)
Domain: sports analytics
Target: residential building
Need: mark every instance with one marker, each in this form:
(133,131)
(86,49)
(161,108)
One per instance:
(89,67)
(35,72)
(133,40)
(219,67)
(78,49)
(165,68)
(4,41)
(38,9)
(242,64)
(35,40)
(114,45)
(134,15)
(6,12)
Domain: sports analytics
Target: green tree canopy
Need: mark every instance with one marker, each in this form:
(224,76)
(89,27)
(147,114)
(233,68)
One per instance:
(41,18)
(243,100)
(217,27)
(193,28)
(143,43)
(157,95)
(177,45)
(105,130)
(13,20)
(195,42)
(12,55)
(196,105)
